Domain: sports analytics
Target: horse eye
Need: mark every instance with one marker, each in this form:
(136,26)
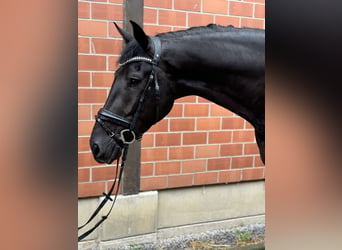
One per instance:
(133,82)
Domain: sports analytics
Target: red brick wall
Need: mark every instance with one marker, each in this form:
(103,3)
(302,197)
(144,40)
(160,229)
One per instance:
(198,142)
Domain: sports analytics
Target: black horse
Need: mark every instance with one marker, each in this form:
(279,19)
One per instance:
(222,64)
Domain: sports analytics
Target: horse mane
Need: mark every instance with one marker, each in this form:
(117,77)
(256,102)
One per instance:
(201,30)
(133,48)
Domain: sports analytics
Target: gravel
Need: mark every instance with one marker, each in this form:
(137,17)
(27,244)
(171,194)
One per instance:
(216,239)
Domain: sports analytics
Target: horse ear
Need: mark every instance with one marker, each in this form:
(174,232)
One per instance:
(140,36)
(125,35)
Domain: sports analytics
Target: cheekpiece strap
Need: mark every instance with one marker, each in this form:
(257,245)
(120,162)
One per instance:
(157,49)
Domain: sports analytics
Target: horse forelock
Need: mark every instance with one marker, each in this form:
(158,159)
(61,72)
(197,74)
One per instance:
(131,50)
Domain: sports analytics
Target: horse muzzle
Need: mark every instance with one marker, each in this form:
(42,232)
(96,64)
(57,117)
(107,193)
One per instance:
(105,152)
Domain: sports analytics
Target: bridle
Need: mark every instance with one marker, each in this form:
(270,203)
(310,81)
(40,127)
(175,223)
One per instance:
(127,135)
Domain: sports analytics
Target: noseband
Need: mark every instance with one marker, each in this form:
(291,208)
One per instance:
(129,134)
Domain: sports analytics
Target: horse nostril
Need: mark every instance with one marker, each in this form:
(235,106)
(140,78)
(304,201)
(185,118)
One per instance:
(96,149)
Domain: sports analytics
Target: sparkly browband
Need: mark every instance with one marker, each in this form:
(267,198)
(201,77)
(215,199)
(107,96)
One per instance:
(137,59)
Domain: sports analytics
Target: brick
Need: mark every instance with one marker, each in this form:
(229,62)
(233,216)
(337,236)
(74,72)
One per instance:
(233,123)
(86,160)
(170,167)
(187,99)
(202,100)
(95,109)
(92,28)
(83,9)
(231,150)
(178,28)
(83,144)
(153,183)
(103,79)
(194,138)
(259,10)
(83,45)
(176,111)
(92,95)
(242,162)
(161,126)
(220,137)
(153,154)
(91,62)
(167,4)
(195,19)
(90,189)
(230,176)
(208,123)
(255,1)
(253,23)
(219,164)
(205,178)
(83,175)
(184,124)
(146,169)
(106,46)
(85,127)
(107,11)
(251,148)
(194,166)
(103,173)
(227,20)
(215,6)
(253,174)
(180,181)
(243,136)
(177,153)
(153,30)
(147,140)
(258,162)
(112,31)
(248,125)
(113,63)
(190,5)
(84,112)
(207,151)
(240,9)
(195,110)
(109,185)
(167,17)
(150,15)
(168,139)
(83,79)
(115,1)
(216,110)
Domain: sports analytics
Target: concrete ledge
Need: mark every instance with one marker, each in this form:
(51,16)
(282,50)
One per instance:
(210,203)
(132,215)
(155,215)
(209,226)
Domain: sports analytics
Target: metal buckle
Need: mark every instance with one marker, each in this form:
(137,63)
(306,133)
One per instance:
(127,136)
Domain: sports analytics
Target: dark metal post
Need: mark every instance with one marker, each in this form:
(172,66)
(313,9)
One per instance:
(133,10)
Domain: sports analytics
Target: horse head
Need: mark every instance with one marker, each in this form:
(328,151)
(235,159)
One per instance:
(140,96)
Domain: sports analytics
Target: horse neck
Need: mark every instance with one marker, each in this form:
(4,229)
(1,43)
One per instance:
(218,69)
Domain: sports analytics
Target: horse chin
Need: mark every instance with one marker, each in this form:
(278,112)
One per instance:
(116,153)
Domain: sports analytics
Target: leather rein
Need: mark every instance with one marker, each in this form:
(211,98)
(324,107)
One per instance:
(129,134)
